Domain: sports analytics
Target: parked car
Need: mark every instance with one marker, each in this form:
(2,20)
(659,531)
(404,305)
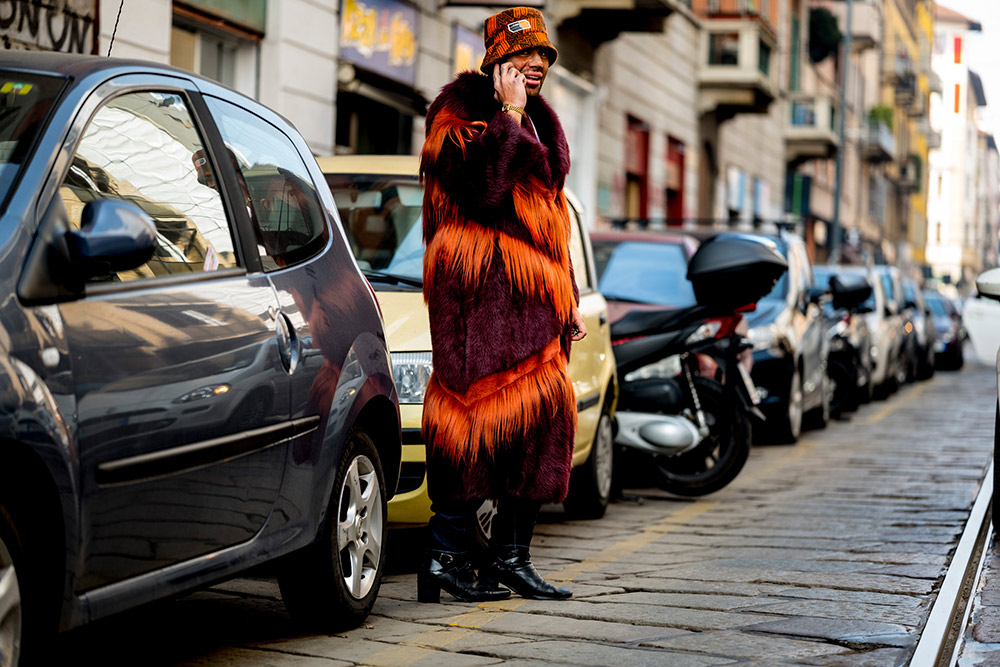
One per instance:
(380,200)
(948,353)
(195,376)
(791,347)
(924,332)
(900,352)
(850,338)
(988,285)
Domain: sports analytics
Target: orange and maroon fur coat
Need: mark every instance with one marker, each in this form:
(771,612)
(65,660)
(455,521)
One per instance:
(500,413)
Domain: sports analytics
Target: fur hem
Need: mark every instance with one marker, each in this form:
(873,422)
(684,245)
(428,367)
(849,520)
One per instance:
(497,409)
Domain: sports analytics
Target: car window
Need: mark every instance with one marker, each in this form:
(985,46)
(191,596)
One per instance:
(381,215)
(643,272)
(888,287)
(576,252)
(143,148)
(25,101)
(281,200)
(937,306)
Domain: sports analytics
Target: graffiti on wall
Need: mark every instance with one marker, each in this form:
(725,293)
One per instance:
(51,25)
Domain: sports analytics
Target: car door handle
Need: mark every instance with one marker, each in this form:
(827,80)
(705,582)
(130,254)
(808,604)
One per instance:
(288,343)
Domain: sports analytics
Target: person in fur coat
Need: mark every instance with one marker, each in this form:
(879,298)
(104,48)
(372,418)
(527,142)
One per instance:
(499,413)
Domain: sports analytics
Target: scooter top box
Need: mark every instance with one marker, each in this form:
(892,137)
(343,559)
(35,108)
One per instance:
(732,270)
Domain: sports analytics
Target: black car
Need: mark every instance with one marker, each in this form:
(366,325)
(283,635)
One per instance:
(948,354)
(195,374)
(788,332)
(918,313)
(850,361)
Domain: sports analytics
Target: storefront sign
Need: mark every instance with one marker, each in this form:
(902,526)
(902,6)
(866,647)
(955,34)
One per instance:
(381,36)
(250,14)
(52,25)
(469,50)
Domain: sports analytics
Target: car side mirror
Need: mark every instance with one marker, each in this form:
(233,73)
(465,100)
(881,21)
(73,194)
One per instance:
(988,284)
(114,235)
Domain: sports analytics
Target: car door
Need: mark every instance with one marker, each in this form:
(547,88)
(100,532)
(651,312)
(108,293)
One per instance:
(814,331)
(588,356)
(181,391)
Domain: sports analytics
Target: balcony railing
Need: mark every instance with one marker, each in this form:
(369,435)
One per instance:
(878,143)
(811,130)
(737,71)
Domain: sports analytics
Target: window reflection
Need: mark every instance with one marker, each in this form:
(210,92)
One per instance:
(145,149)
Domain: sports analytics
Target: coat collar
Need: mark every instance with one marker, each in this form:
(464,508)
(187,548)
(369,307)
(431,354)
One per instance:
(470,96)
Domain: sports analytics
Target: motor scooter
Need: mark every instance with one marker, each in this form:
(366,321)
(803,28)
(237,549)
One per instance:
(695,429)
(849,366)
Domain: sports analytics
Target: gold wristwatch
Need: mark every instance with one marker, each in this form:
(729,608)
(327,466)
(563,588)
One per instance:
(511,107)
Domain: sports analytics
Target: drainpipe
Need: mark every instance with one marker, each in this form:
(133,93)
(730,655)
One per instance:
(833,238)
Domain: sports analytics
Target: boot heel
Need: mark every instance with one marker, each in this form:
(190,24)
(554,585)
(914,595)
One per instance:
(428,589)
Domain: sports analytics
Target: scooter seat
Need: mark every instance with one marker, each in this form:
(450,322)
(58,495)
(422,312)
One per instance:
(646,322)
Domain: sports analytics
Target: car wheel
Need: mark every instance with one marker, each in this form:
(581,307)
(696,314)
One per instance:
(590,483)
(332,584)
(790,427)
(10,594)
(820,416)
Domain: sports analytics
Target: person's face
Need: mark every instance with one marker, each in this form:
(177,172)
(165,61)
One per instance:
(533,63)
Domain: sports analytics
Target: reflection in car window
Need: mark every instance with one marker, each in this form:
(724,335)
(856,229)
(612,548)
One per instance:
(25,100)
(280,197)
(143,148)
(381,215)
(643,272)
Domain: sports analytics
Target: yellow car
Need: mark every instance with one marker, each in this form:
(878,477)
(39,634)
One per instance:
(379,198)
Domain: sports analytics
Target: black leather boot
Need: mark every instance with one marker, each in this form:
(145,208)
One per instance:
(512,567)
(453,572)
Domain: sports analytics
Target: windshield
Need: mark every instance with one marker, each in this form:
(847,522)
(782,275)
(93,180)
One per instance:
(25,100)
(381,216)
(643,272)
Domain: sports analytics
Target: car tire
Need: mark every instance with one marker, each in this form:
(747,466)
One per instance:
(11,610)
(819,416)
(789,428)
(590,483)
(332,584)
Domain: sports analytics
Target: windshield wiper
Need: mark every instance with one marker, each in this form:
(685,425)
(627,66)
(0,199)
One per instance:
(393,278)
(625,299)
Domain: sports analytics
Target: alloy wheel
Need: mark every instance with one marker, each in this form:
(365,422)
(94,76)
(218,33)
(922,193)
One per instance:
(10,610)
(604,453)
(360,525)
(795,405)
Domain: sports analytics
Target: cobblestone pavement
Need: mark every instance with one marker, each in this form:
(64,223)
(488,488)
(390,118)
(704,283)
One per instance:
(828,552)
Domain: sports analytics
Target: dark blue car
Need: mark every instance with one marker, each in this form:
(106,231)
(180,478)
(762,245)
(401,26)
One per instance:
(194,372)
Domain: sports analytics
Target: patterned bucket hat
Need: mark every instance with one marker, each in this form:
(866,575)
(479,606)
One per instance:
(512,30)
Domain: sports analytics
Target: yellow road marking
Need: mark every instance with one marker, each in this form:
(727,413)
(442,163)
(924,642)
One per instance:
(898,403)
(630,545)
